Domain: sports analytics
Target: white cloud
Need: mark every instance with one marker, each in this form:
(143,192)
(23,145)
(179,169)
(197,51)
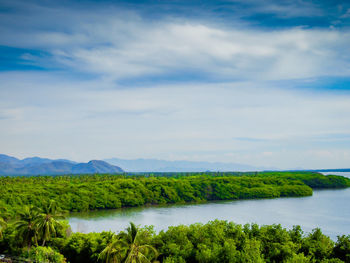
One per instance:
(122,44)
(80,120)
(225,54)
(61,114)
(283,9)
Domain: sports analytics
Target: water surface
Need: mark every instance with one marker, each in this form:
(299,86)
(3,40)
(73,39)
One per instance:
(345,174)
(326,209)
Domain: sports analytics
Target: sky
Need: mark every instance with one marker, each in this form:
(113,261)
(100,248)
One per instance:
(258,82)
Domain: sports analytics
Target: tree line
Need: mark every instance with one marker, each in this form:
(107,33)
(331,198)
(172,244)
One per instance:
(89,192)
(39,236)
(32,225)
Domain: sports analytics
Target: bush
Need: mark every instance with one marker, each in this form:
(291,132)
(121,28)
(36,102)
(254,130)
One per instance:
(44,254)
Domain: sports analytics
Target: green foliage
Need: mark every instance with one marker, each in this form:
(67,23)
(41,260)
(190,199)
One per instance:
(342,248)
(31,226)
(216,241)
(251,252)
(115,251)
(88,192)
(221,241)
(3,225)
(313,179)
(85,247)
(26,227)
(31,212)
(43,254)
(138,250)
(47,222)
(317,246)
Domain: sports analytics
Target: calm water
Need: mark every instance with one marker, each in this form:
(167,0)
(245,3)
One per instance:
(327,209)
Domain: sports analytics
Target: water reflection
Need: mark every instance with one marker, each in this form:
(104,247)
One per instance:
(327,209)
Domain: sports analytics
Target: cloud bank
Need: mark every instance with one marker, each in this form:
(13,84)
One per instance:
(118,80)
(123,44)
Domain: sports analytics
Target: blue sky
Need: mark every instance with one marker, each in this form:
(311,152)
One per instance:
(265,83)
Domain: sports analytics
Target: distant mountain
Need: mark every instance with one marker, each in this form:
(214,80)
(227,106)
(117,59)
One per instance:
(43,166)
(8,159)
(35,160)
(96,166)
(154,165)
(339,170)
(334,170)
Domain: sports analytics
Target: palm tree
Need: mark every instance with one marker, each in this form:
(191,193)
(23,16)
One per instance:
(3,225)
(3,218)
(128,248)
(48,221)
(137,252)
(115,250)
(26,226)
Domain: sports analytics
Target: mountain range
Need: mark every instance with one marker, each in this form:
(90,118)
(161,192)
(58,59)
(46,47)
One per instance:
(42,166)
(155,165)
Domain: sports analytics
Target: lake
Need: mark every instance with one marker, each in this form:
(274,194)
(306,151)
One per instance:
(326,209)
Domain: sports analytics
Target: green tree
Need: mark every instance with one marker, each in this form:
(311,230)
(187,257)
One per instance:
(115,251)
(137,252)
(43,254)
(3,225)
(26,226)
(48,222)
(341,249)
(317,246)
(4,217)
(251,252)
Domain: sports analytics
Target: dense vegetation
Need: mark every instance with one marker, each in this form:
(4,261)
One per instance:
(88,192)
(314,180)
(216,241)
(31,212)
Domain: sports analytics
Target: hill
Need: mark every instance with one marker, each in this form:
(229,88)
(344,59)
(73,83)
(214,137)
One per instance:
(42,166)
(155,165)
